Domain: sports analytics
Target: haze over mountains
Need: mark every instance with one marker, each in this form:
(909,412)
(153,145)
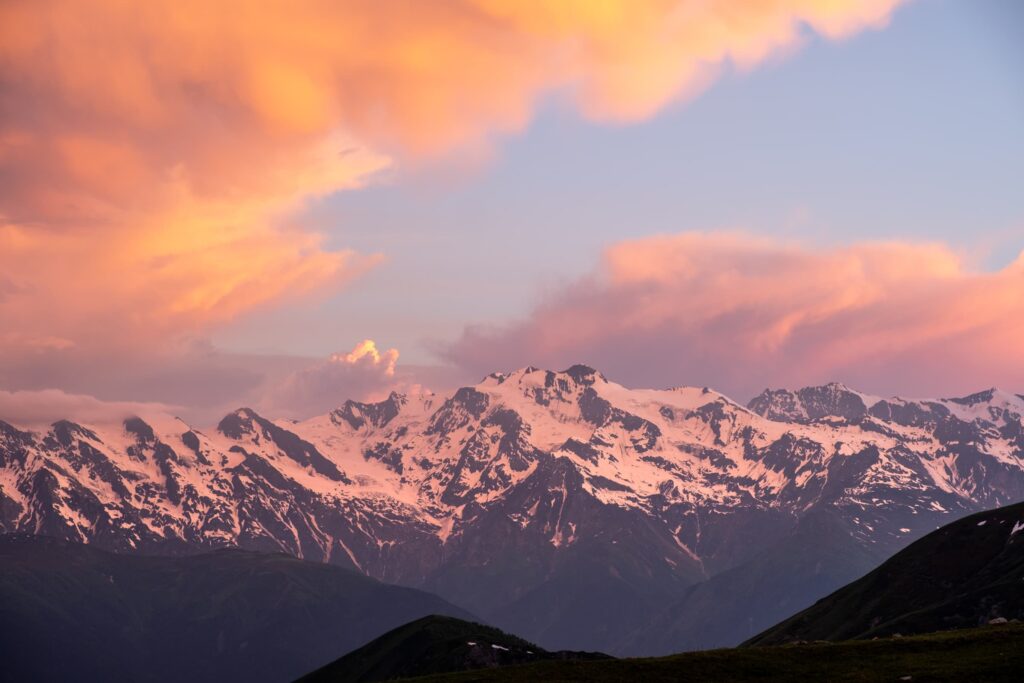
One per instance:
(560,506)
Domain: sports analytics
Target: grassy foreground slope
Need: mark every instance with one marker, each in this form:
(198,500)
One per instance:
(990,654)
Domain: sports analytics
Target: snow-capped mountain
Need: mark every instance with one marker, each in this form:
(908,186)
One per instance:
(558,504)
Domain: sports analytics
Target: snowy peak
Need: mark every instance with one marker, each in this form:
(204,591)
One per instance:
(239,423)
(836,400)
(990,406)
(580,374)
(261,437)
(140,430)
(810,403)
(991,403)
(465,406)
(65,432)
(583,374)
(986,396)
(359,415)
(543,386)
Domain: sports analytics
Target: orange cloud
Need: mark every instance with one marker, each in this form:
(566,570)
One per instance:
(366,354)
(741,313)
(156,156)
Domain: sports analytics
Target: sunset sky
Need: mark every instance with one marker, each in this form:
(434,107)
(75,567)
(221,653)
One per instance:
(208,206)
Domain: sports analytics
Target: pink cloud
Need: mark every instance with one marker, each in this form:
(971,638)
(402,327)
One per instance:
(741,313)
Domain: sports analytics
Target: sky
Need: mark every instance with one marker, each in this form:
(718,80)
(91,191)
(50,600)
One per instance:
(204,206)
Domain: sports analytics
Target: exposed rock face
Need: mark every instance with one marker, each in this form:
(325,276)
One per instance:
(559,505)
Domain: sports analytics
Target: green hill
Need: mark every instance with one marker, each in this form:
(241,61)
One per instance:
(435,644)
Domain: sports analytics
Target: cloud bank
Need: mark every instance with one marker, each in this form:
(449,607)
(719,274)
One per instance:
(742,313)
(155,157)
(37,409)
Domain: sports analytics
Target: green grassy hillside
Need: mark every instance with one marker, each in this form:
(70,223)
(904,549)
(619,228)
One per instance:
(991,654)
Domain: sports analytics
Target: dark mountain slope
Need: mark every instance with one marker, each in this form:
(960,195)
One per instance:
(72,612)
(740,602)
(435,644)
(964,574)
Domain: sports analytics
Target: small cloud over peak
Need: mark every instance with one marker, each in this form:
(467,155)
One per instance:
(365,372)
(366,353)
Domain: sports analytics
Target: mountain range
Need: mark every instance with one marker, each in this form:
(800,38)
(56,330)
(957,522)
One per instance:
(560,506)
